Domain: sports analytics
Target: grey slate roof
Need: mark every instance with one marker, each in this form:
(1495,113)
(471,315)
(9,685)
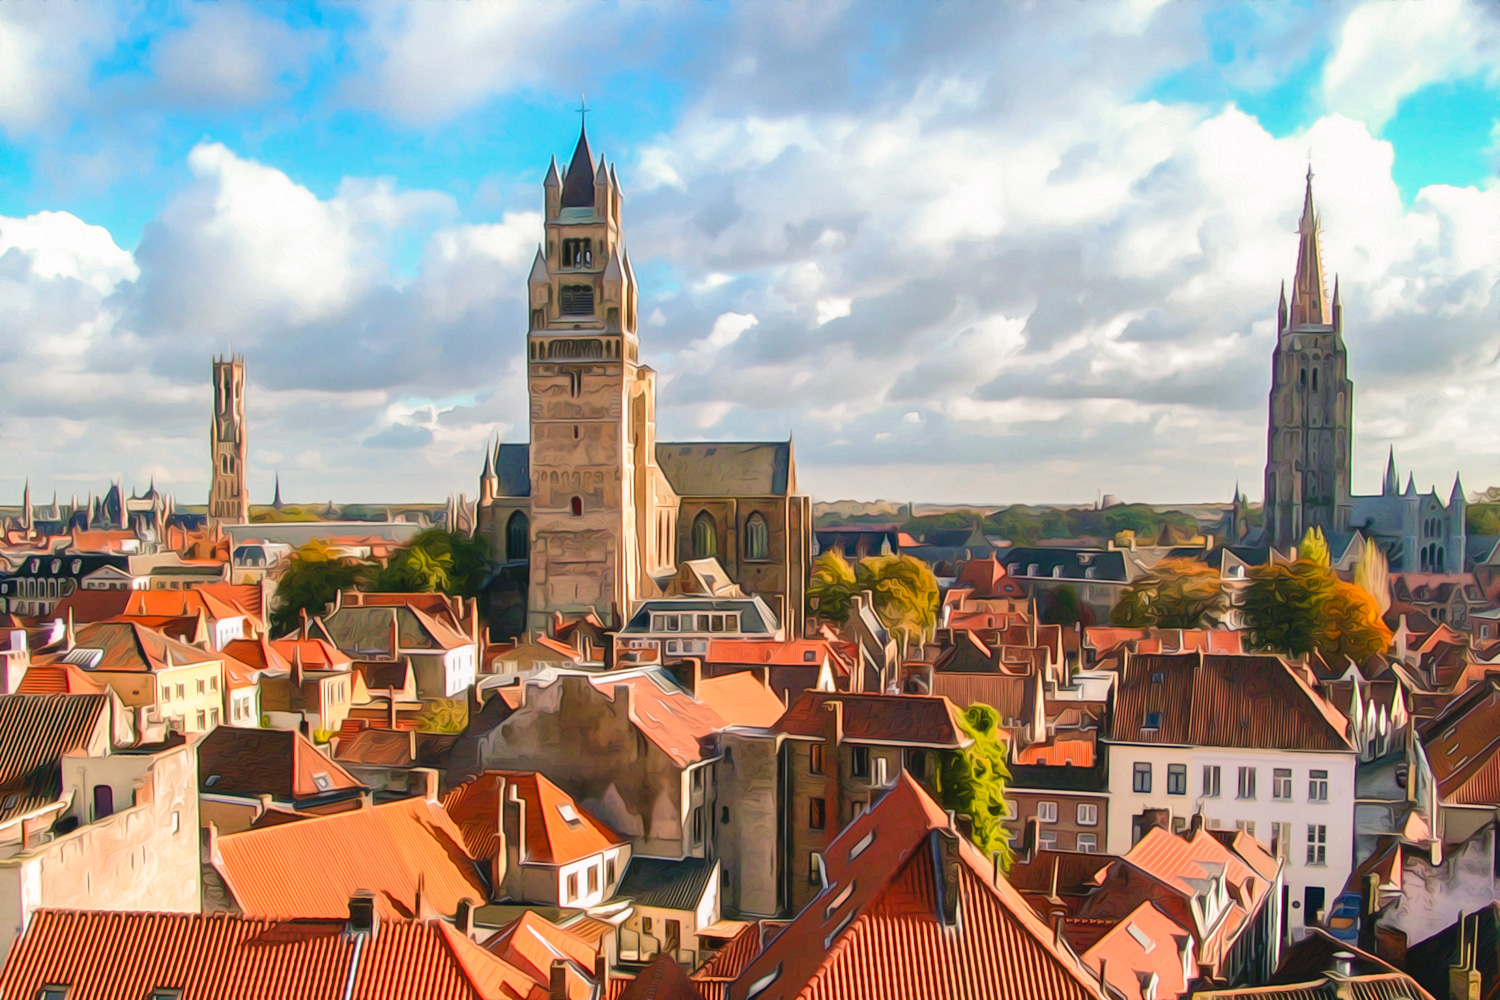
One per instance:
(728,468)
(755,614)
(671,885)
(513,466)
(1105,565)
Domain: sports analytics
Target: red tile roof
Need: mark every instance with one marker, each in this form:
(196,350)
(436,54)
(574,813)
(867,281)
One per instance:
(317,654)
(740,697)
(36,730)
(551,839)
(663,979)
(130,646)
(667,715)
(277,762)
(312,867)
(114,956)
(54,676)
(875,931)
(793,653)
(1462,746)
(1223,701)
(531,942)
(1146,942)
(887,718)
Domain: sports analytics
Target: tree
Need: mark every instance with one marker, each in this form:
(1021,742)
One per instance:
(312,578)
(972,781)
(1177,593)
(832,586)
(1373,574)
(1314,548)
(905,594)
(437,561)
(1066,608)
(1303,608)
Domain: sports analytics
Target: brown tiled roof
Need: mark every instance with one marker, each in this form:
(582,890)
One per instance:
(888,718)
(551,839)
(312,867)
(875,930)
(113,956)
(394,748)
(277,762)
(130,646)
(1223,701)
(1462,745)
(1124,961)
(668,716)
(531,943)
(53,676)
(316,653)
(663,979)
(36,730)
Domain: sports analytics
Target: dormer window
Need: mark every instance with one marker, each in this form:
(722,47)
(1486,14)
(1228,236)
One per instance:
(569,814)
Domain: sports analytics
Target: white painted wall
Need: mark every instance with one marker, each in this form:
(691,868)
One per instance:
(1336,814)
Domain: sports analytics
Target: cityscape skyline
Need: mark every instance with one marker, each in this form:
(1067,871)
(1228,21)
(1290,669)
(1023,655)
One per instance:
(1002,284)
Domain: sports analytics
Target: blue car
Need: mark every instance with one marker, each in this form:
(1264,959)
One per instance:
(1343,919)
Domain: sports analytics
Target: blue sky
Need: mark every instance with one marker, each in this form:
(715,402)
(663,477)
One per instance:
(1005,252)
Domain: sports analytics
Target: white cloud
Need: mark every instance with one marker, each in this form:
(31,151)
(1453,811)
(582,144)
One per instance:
(1386,51)
(45,54)
(229,55)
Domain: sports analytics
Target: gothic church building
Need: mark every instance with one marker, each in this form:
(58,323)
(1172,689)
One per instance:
(1311,437)
(594,514)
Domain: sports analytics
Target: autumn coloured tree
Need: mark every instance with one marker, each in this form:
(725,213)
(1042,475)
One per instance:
(1302,607)
(1177,593)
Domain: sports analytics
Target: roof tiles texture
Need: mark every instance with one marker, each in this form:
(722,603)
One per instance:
(895,718)
(281,763)
(110,956)
(551,838)
(35,732)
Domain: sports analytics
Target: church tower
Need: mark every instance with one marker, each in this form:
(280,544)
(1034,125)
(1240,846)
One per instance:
(594,481)
(1312,403)
(228,500)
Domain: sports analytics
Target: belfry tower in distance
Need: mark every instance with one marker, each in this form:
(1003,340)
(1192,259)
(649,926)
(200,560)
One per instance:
(228,499)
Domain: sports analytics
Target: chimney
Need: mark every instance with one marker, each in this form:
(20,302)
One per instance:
(1369,911)
(463,917)
(395,634)
(1030,838)
(1195,824)
(265,804)
(390,713)
(949,864)
(557,981)
(305,622)
(69,639)
(1343,964)
(429,777)
(514,829)
(1464,980)
(362,916)
(833,725)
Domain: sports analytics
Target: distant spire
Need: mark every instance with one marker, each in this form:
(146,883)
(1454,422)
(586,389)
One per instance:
(1308,302)
(1392,482)
(1411,485)
(276,503)
(489,463)
(26,505)
(1281,309)
(1457,496)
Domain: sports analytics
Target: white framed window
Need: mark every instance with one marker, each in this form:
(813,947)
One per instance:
(1245,825)
(1281,841)
(1088,814)
(1088,843)
(1317,844)
(1246,788)
(1317,786)
(1281,784)
(1210,781)
(1048,840)
(1046,812)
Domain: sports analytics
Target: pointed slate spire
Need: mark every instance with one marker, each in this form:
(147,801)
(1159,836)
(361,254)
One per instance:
(578,185)
(1392,482)
(489,463)
(276,503)
(538,268)
(554,179)
(1457,496)
(1281,309)
(26,505)
(1308,302)
(1411,485)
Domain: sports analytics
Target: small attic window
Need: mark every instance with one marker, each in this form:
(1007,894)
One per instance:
(1158,677)
(322,780)
(810,656)
(12,800)
(1153,720)
(568,813)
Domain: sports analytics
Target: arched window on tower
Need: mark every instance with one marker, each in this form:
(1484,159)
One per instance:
(757,537)
(577,506)
(517,537)
(705,536)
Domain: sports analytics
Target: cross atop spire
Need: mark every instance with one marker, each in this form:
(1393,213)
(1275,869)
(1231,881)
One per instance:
(578,183)
(583,110)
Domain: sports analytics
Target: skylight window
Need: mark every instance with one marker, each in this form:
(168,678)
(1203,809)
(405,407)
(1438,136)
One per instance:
(1141,937)
(323,781)
(566,810)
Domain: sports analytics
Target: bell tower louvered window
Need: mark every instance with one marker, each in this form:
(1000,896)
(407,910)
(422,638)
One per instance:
(577,300)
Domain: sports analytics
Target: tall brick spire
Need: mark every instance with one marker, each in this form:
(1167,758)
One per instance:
(1309,303)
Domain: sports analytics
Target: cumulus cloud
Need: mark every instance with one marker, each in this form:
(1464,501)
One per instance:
(229,55)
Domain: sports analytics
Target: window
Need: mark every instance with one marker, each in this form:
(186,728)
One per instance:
(577,506)
(1245,826)
(609,871)
(181,691)
(322,782)
(165,993)
(213,718)
(705,536)
(201,686)
(814,868)
(569,814)
(166,692)
(1281,783)
(916,763)
(1153,720)
(1088,843)
(1046,812)
(815,759)
(577,300)
(104,802)
(53,991)
(593,878)
(1088,814)
(859,762)
(1176,779)
(1317,786)
(697,825)
(1141,779)
(1317,844)
(571,892)
(1210,781)
(213,684)
(757,537)
(517,537)
(1281,841)
(202,721)
(817,817)
(724,815)
(1247,783)
(1312,905)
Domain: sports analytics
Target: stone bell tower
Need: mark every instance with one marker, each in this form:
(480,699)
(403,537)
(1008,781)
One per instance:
(228,499)
(592,450)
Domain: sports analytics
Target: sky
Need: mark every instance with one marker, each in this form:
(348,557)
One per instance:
(959,252)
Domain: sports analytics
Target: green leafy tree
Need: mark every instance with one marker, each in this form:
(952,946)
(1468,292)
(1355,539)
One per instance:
(1484,518)
(437,561)
(1314,548)
(1177,593)
(905,594)
(312,578)
(1303,608)
(972,781)
(1066,608)
(443,715)
(1373,574)
(832,586)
